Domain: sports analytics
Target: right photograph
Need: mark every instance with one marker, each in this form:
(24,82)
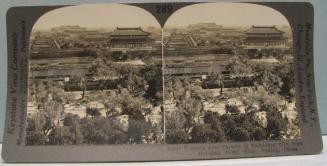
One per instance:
(228,75)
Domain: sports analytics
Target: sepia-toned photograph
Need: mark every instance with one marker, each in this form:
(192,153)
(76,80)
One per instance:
(228,75)
(160,81)
(95,77)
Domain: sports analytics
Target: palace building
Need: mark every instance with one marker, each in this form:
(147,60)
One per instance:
(264,39)
(43,43)
(180,42)
(130,38)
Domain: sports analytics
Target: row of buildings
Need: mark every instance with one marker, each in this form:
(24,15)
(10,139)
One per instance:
(210,36)
(216,45)
(66,51)
(199,36)
(70,38)
(212,43)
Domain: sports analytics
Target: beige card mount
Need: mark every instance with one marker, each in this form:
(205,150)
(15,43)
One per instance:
(160,81)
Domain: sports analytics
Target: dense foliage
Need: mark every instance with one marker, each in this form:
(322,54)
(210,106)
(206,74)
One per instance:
(127,105)
(259,114)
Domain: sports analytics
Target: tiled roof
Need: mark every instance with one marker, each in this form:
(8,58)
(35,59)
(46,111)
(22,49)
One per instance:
(206,24)
(128,32)
(264,30)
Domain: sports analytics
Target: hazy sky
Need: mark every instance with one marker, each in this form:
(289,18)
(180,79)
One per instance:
(118,15)
(97,16)
(227,14)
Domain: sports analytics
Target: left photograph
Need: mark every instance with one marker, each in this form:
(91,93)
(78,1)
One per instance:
(95,77)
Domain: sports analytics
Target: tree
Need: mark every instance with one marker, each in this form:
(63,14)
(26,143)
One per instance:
(233,109)
(134,106)
(248,99)
(61,136)
(75,129)
(218,79)
(169,90)
(259,134)
(39,91)
(152,74)
(50,115)
(276,124)
(239,65)
(241,134)
(73,122)
(219,134)
(267,101)
(68,120)
(208,117)
(110,108)
(35,138)
(106,69)
(176,136)
(286,73)
(191,109)
(176,120)
(81,82)
(93,112)
(92,130)
(104,72)
(179,90)
(135,84)
(99,137)
(202,133)
(117,137)
(138,130)
(229,125)
(272,82)
(34,135)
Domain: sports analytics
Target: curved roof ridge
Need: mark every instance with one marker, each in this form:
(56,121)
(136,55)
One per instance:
(264,29)
(128,28)
(129,31)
